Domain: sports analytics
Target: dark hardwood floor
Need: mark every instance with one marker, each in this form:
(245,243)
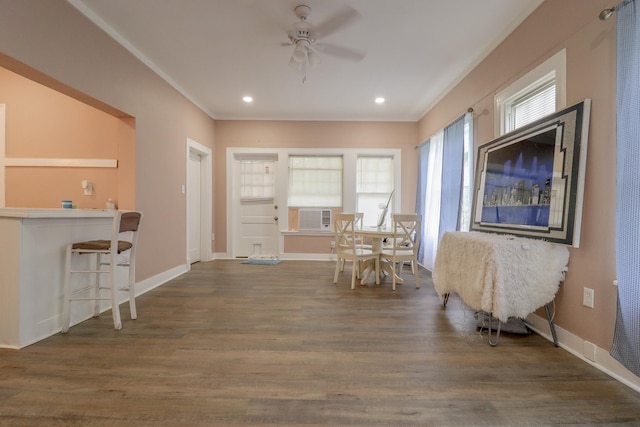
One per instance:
(230,344)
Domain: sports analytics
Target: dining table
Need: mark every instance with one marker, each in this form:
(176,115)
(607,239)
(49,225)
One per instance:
(377,236)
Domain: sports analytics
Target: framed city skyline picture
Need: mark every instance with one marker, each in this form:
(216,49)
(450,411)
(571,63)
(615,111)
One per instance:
(530,182)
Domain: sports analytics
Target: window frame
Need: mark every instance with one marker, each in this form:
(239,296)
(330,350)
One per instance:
(281,156)
(349,177)
(553,68)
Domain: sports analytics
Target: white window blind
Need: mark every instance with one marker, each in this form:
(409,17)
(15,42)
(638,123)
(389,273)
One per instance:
(534,105)
(257,180)
(374,184)
(315,181)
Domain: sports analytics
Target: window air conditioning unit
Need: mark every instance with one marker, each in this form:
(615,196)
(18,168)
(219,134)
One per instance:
(314,219)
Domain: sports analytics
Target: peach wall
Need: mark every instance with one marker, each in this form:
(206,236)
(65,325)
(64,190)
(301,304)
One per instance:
(288,134)
(126,190)
(307,244)
(51,42)
(590,48)
(43,123)
(73,55)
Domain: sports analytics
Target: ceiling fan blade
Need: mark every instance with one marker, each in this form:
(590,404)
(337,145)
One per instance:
(340,19)
(313,58)
(341,51)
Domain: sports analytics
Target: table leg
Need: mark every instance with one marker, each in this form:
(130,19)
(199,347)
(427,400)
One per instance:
(389,270)
(386,268)
(369,266)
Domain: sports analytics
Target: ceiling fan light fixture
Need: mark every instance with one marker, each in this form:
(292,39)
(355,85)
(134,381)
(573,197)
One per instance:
(300,53)
(303,35)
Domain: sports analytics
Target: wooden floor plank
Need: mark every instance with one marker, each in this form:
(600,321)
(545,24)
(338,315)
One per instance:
(231,344)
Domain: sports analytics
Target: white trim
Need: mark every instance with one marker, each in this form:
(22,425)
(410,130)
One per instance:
(160,279)
(557,64)
(68,163)
(578,347)
(206,198)
(102,24)
(349,155)
(141,287)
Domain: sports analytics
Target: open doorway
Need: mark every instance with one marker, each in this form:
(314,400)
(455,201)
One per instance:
(198,202)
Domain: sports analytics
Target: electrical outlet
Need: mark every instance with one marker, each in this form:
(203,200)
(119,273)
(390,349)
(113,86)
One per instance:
(333,244)
(588,296)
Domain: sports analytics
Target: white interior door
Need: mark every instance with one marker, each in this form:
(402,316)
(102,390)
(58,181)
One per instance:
(194,206)
(256,222)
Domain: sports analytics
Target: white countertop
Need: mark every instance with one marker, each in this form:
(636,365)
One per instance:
(54,213)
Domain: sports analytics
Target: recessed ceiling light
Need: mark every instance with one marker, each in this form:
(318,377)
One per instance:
(247,99)
(379,100)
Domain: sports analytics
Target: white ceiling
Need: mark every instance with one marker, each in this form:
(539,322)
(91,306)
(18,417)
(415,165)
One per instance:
(217,51)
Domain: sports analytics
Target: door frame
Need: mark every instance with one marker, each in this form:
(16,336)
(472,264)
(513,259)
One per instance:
(234,155)
(206,199)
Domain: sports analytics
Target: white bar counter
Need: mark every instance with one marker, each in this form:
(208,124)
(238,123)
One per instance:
(32,251)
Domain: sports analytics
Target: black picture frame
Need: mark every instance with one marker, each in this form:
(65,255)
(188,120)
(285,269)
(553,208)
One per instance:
(530,182)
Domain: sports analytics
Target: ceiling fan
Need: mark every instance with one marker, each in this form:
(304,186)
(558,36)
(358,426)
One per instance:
(304,37)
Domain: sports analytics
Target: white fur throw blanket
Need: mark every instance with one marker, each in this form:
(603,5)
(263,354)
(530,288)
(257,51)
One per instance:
(504,275)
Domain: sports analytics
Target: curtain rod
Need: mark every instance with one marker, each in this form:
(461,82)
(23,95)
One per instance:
(606,14)
(469,111)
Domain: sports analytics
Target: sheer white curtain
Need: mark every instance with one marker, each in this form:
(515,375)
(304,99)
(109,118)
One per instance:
(440,197)
(431,216)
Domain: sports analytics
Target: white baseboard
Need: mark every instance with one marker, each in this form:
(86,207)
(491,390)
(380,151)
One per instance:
(160,279)
(53,325)
(588,352)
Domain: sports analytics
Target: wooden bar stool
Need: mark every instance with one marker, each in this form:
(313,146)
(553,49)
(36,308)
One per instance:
(109,254)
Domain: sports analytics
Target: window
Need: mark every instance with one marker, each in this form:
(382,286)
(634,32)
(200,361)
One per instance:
(535,95)
(533,105)
(315,181)
(374,184)
(256,180)
(467,171)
